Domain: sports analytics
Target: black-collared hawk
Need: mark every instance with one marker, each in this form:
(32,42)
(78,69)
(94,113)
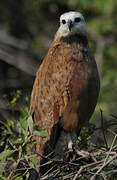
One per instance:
(67,84)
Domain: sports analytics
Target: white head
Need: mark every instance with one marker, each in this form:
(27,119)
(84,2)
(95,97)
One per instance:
(72,23)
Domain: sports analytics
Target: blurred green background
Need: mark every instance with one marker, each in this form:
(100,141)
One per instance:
(27,28)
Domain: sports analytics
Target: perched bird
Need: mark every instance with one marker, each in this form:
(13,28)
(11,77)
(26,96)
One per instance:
(67,84)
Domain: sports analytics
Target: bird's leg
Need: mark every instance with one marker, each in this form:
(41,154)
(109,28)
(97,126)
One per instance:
(70,145)
(73,146)
(72,138)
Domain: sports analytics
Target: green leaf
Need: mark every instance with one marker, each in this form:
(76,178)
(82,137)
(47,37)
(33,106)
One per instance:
(17,142)
(23,123)
(62,173)
(33,159)
(30,124)
(2,166)
(42,133)
(19,178)
(3,178)
(3,156)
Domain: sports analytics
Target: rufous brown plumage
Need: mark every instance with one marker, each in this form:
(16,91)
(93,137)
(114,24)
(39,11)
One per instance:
(66,87)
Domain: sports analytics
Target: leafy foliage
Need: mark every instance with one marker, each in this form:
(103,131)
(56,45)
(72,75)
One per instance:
(16,144)
(15,97)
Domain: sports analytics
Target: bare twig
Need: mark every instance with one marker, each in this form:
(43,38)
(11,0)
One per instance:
(103,130)
(78,173)
(104,176)
(104,164)
(56,160)
(110,148)
(86,166)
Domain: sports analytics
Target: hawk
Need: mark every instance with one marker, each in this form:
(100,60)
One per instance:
(67,84)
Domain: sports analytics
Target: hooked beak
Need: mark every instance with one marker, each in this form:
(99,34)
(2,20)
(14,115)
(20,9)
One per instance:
(70,24)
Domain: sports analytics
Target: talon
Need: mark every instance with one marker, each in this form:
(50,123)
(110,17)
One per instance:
(82,153)
(70,146)
(70,150)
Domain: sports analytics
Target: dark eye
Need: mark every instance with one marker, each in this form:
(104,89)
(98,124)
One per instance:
(77,19)
(63,21)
